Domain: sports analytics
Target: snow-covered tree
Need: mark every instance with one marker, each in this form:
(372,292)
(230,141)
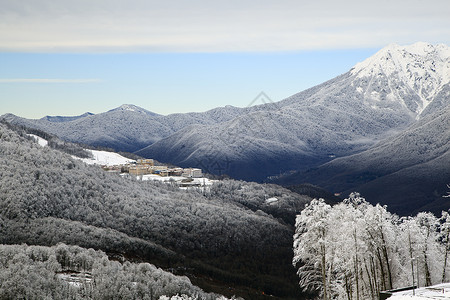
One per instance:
(310,247)
(445,240)
(429,248)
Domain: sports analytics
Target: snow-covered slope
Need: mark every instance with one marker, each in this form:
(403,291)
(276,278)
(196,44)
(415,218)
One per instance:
(97,157)
(439,291)
(420,70)
(66,119)
(48,197)
(409,171)
(105,158)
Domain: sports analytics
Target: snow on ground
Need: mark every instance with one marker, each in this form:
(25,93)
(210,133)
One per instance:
(40,140)
(161,178)
(75,279)
(440,291)
(195,181)
(271,200)
(105,158)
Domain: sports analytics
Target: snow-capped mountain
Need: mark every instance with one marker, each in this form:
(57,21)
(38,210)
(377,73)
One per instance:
(413,75)
(377,98)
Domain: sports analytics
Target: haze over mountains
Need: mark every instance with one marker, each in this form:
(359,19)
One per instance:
(377,99)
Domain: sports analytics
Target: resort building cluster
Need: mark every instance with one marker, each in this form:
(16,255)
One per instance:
(147,166)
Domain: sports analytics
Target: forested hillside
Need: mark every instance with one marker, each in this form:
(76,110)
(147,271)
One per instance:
(71,272)
(229,237)
(408,171)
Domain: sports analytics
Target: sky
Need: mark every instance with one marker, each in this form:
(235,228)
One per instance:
(68,57)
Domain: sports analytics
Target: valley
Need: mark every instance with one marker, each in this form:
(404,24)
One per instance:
(376,101)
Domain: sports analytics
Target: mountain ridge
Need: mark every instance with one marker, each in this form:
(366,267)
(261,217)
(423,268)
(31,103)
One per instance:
(125,128)
(342,116)
(57,119)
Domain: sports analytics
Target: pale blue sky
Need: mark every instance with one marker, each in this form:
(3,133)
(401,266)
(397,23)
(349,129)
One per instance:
(162,83)
(67,57)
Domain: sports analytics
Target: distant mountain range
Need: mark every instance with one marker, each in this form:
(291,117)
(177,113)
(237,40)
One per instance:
(126,128)
(375,100)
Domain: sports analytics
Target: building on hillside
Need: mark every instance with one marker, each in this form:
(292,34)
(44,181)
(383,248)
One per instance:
(158,168)
(138,170)
(192,172)
(146,162)
(175,171)
(161,172)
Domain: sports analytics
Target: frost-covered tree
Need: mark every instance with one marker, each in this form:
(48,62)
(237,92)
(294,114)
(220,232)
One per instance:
(354,250)
(34,272)
(311,247)
(429,248)
(445,240)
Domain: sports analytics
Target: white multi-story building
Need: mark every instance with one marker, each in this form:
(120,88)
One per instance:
(192,173)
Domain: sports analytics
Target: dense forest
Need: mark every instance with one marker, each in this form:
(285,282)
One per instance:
(229,236)
(354,250)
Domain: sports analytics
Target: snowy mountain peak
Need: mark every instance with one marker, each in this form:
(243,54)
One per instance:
(419,71)
(393,58)
(133,108)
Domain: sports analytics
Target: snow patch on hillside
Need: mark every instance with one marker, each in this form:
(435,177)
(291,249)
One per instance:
(39,140)
(105,158)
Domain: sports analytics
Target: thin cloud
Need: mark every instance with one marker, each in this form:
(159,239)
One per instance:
(217,26)
(47,80)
